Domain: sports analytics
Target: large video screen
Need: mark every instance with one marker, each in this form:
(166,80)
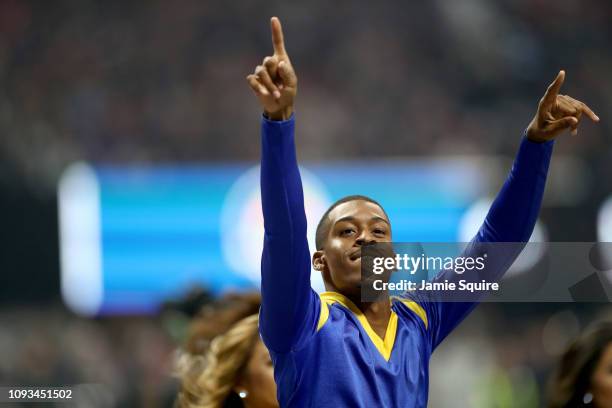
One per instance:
(134,237)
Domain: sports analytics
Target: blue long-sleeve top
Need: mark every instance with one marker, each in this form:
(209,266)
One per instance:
(324,351)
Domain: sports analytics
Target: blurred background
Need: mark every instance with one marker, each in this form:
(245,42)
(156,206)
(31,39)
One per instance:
(128,178)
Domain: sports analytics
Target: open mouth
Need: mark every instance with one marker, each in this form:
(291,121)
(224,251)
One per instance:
(355,255)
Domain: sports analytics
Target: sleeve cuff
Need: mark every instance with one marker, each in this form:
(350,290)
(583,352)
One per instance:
(536,147)
(277,132)
(268,121)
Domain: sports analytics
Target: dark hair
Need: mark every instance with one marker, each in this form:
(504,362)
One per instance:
(217,317)
(213,333)
(572,379)
(324,223)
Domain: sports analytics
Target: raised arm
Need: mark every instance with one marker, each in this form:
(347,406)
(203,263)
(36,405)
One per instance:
(290,308)
(514,212)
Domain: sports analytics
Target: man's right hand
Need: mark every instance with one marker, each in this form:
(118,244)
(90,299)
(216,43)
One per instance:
(274,81)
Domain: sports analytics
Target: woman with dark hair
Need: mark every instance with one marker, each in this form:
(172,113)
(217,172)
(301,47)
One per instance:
(584,375)
(224,363)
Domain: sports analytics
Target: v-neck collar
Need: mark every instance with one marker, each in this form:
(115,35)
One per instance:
(384,346)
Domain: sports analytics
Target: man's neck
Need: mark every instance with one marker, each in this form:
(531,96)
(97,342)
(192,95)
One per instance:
(377,313)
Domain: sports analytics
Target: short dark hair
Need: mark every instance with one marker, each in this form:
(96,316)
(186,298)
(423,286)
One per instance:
(324,222)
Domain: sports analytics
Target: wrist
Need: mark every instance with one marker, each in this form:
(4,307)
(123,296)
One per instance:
(534,136)
(283,114)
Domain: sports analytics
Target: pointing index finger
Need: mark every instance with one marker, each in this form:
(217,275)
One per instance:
(553,90)
(277,36)
(589,112)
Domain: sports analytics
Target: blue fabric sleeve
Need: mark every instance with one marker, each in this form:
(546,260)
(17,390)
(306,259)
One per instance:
(290,308)
(510,219)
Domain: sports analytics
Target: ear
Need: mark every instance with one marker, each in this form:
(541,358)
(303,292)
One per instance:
(318,261)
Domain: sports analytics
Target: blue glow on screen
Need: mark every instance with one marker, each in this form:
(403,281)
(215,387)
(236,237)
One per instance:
(164,230)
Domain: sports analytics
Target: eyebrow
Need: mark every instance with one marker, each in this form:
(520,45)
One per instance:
(352,219)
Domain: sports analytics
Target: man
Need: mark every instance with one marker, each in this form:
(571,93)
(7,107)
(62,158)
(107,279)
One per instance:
(335,350)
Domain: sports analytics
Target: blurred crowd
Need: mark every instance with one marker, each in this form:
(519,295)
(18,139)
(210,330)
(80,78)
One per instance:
(165,81)
(127,362)
(502,356)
